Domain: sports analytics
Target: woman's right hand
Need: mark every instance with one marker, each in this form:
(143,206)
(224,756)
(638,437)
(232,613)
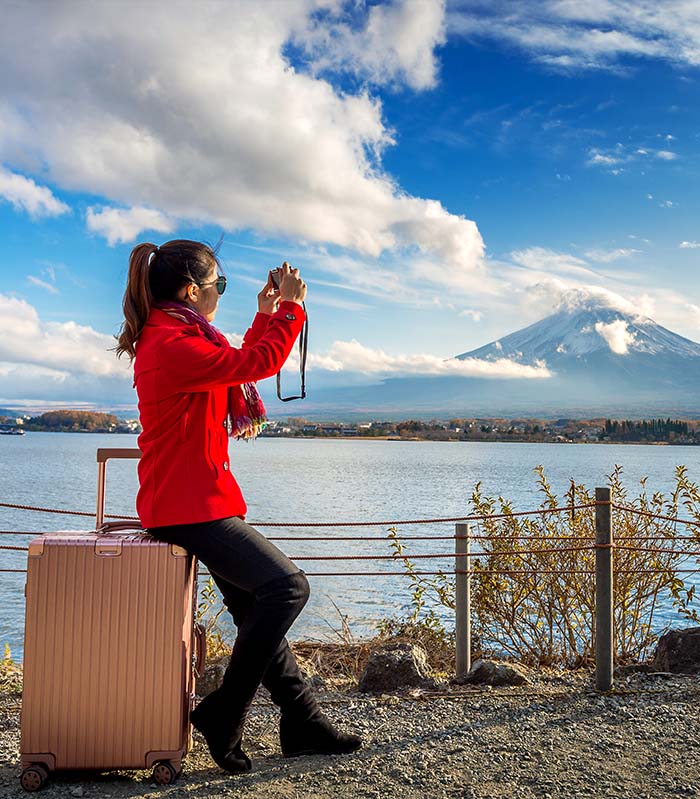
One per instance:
(292,287)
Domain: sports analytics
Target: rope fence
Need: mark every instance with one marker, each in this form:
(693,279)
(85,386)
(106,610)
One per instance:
(600,545)
(393,523)
(437,520)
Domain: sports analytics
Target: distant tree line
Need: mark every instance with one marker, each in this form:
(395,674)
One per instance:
(649,430)
(74,422)
(671,431)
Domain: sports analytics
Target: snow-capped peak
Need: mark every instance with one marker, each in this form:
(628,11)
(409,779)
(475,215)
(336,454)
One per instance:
(583,327)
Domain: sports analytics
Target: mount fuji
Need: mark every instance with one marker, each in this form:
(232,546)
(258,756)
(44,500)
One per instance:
(603,358)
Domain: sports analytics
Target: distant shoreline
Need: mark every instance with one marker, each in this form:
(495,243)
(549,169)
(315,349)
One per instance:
(415,439)
(482,440)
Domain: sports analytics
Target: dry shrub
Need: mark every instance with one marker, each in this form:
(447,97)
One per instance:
(208,614)
(337,664)
(10,674)
(538,607)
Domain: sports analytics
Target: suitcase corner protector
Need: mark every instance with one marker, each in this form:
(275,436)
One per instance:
(36,548)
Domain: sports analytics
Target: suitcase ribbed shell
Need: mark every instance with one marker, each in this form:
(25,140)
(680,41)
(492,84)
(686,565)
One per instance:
(108,651)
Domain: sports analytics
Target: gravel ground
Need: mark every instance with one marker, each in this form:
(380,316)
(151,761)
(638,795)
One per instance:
(555,738)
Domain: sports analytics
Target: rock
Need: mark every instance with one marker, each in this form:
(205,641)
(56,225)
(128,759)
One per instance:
(632,668)
(395,666)
(678,651)
(487,672)
(77,792)
(213,675)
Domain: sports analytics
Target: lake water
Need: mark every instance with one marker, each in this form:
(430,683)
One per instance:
(295,480)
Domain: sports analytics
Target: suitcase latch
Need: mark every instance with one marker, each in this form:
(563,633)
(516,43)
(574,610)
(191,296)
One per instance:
(108,548)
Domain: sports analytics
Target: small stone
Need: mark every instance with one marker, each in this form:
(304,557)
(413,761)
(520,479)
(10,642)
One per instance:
(632,668)
(77,791)
(490,673)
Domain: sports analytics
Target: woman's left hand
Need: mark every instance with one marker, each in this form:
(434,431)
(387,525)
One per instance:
(268,298)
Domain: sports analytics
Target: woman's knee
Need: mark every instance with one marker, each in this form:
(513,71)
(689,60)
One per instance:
(292,591)
(302,586)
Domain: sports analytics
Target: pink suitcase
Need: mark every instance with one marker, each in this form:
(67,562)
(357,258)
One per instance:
(111,650)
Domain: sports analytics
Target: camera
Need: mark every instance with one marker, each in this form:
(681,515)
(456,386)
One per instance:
(274,277)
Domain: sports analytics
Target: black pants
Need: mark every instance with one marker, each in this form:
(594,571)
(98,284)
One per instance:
(264,592)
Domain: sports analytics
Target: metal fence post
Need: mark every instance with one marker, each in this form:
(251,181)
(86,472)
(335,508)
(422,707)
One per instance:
(604,644)
(463,656)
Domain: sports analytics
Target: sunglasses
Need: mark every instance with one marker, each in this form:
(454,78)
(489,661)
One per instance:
(220,284)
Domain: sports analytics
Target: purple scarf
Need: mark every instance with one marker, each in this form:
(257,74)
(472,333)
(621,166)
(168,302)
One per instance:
(246,412)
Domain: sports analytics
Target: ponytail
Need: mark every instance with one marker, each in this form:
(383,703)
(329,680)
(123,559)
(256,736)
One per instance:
(137,298)
(159,273)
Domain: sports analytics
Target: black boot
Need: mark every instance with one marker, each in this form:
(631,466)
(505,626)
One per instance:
(223,735)
(313,735)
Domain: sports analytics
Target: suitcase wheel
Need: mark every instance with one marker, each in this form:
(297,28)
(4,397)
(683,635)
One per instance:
(34,777)
(164,773)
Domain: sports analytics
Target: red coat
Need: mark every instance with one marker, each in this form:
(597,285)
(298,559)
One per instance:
(182,382)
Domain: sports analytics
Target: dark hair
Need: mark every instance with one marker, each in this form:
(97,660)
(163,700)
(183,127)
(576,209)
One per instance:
(158,273)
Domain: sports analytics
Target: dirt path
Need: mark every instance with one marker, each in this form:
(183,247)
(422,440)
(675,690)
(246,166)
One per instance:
(555,739)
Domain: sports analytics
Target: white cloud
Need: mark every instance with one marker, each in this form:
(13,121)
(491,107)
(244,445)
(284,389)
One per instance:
(396,42)
(689,245)
(234,339)
(42,284)
(472,314)
(584,297)
(616,335)
(619,154)
(64,348)
(563,296)
(26,195)
(119,225)
(541,259)
(607,256)
(352,356)
(226,132)
(568,35)
(596,157)
(667,204)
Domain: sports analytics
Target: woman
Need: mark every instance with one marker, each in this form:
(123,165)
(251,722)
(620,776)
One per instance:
(195,389)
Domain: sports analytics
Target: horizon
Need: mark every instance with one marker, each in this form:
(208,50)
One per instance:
(444,174)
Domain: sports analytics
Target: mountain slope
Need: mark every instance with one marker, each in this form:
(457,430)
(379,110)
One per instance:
(603,360)
(582,332)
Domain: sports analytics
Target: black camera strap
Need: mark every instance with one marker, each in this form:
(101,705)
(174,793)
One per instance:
(303,349)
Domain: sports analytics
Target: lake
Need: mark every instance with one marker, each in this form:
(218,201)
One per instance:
(307,480)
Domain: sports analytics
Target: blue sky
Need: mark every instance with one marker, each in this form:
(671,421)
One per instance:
(442,174)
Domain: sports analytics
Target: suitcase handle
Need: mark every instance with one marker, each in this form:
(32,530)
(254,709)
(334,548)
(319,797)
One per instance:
(103,455)
(200,642)
(107,528)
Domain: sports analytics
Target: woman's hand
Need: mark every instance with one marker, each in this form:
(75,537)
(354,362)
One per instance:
(292,287)
(268,298)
